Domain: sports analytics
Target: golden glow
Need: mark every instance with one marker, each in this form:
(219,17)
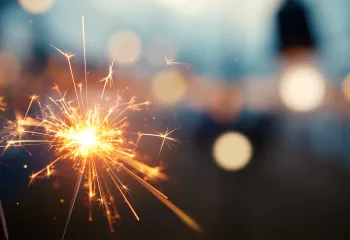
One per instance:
(232,151)
(87,138)
(94,138)
(346,87)
(36,6)
(125,47)
(302,88)
(169,87)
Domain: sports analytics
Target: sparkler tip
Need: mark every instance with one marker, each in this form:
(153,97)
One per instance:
(34,96)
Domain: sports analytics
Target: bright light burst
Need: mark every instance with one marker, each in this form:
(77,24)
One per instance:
(95,139)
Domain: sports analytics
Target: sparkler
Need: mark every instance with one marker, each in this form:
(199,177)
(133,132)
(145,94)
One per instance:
(95,139)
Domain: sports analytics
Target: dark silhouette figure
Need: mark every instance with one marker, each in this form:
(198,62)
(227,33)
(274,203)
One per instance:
(293,26)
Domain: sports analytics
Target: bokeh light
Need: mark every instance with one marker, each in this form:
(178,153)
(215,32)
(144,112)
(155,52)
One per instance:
(232,151)
(346,87)
(200,89)
(169,87)
(56,184)
(10,68)
(183,6)
(125,47)
(224,102)
(36,6)
(302,88)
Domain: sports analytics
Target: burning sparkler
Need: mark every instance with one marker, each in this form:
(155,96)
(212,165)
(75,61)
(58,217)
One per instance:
(95,139)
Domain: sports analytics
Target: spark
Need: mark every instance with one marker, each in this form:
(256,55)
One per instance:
(172,61)
(108,79)
(30,104)
(94,138)
(165,138)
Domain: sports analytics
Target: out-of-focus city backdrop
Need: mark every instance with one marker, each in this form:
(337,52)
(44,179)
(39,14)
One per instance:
(260,89)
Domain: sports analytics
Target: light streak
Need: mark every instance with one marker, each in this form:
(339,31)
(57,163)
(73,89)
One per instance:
(84,47)
(108,79)
(165,136)
(3,222)
(94,138)
(172,61)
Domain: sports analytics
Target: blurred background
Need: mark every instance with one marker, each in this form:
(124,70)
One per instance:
(260,89)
